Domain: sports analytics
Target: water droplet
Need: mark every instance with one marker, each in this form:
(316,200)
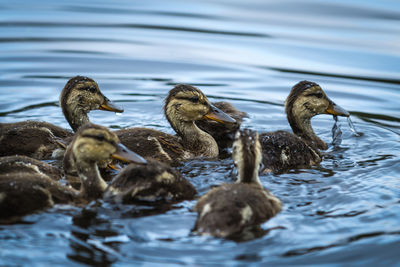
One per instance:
(118,113)
(352,128)
(336,133)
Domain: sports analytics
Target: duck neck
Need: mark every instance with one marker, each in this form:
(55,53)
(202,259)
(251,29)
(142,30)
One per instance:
(196,140)
(248,163)
(301,126)
(92,185)
(75,114)
(248,174)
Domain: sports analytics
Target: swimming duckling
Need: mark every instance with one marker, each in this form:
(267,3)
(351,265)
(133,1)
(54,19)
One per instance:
(39,139)
(183,106)
(283,150)
(152,183)
(24,192)
(13,164)
(229,209)
(93,144)
(224,134)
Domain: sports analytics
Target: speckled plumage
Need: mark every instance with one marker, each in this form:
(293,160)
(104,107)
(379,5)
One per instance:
(282,150)
(229,209)
(26,190)
(12,164)
(152,183)
(25,193)
(233,208)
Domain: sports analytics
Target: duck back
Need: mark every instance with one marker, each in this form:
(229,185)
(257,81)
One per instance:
(229,209)
(283,151)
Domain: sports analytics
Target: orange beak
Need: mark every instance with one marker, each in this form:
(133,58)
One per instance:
(126,155)
(336,110)
(218,115)
(108,105)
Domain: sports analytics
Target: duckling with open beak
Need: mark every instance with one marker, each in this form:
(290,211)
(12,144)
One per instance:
(282,150)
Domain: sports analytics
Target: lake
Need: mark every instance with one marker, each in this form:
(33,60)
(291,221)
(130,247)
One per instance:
(344,212)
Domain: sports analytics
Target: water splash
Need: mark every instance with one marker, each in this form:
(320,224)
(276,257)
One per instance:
(336,133)
(118,113)
(352,128)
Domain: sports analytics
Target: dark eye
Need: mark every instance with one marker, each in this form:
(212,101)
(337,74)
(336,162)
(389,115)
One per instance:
(100,137)
(318,95)
(92,89)
(194,99)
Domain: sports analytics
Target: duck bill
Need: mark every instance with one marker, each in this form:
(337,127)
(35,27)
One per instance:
(336,110)
(108,105)
(124,154)
(218,115)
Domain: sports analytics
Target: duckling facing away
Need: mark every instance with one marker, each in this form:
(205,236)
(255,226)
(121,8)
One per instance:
(224,134)
(229,209)
(39,139)
(183,106)
(25,192)
(282,150)
(152,183)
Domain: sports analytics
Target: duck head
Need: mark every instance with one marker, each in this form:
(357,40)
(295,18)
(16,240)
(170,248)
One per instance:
(81,95)
(306,100)
(186,103)
(93,144)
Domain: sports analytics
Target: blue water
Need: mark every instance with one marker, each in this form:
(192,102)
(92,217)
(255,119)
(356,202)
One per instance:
(346,211)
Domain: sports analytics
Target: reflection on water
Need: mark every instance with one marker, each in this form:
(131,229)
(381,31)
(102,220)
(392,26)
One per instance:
(248,52)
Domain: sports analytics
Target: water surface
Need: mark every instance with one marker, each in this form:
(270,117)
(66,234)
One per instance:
(346,211)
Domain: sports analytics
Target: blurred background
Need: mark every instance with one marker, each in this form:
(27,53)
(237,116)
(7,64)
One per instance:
(248,52)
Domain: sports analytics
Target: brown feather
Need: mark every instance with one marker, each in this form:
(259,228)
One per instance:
(224,134)
(283,151)
(152,183)
(226,205)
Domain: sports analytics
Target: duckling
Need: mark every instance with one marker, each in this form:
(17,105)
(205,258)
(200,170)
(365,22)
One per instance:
(39,139)
(152,183)
(13,164)
(283,150)
(229,209)
(224,134)
(93,144)
(183,106)
(23,192)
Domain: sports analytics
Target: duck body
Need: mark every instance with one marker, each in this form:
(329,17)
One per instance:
(224,134)
(22,193)
(282,150)
(24,164)
(229,209)
(152,183)
(40,139)
(154,144)
(25,188)
(183,106)
(31,138)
